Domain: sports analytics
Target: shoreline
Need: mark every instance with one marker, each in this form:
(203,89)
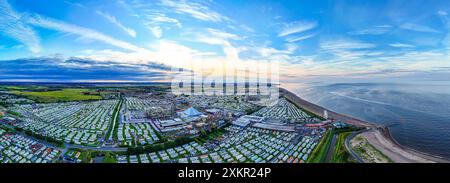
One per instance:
(318,110)
(384,141)
(385,131)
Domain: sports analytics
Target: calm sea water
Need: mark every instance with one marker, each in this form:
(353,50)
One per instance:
(418,114)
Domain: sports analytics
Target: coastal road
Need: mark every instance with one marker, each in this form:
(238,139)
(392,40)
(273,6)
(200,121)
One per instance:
(349,148)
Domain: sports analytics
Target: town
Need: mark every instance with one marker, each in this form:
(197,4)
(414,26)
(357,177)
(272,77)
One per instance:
(152,125)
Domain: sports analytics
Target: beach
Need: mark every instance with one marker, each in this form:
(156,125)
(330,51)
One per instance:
(378,136)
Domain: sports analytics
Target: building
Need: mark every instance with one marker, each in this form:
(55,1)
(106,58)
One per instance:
(247,119)
(191,112)
(172,123)
(339,124)
(134,116)
(275,126)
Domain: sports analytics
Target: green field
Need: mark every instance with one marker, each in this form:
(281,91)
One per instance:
(320,152)
(114,122)
(109,158)
(64,95)
(340,154)
(12,88)
(23,88)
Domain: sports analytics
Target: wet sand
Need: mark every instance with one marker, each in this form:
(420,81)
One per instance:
(378,136)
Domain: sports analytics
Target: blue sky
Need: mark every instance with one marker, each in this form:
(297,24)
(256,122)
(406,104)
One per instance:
(49,40)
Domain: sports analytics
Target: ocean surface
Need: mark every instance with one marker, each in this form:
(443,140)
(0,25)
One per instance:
(418,115)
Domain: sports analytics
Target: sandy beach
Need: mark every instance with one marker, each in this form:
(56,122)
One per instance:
(318,110)
(392,150)
(377,136)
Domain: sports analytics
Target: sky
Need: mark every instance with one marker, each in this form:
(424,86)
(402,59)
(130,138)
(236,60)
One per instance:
(139,40)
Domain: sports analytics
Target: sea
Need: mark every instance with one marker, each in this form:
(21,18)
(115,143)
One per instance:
(417,114)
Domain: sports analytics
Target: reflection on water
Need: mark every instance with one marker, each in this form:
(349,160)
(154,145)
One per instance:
(420,114)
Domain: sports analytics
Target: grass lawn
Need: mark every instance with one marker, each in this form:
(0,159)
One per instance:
(319,154)
(340,154)
(85,156)
(64,95)
(210,135)
(114,122)
(109,158)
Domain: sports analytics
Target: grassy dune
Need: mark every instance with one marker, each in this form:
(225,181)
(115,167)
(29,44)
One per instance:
(367,151)
(64,95)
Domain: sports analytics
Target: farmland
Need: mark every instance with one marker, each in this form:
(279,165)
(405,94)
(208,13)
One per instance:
(64,95)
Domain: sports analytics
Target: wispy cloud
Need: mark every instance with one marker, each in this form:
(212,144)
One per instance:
(401,45)
(220,38)
(79,5)
(114,21)
(12,26)
(345,44)
(222,34)
(377,30)
(276,55)
(247,28)
(83,32)
(291,47)
(215,37)
(418,28)
(296,27)
(346,49)
(130,9)
(300,38)
(194,9)
(442,13)
(162,18)
(155,21)
(156,31)
(17,46)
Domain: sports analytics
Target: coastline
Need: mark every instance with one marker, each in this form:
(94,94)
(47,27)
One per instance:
(318,110)
(379,136)
(431,157)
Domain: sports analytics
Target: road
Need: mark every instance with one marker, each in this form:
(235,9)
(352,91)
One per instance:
(116,149)
(113,125)
(349,149)
(331,149)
